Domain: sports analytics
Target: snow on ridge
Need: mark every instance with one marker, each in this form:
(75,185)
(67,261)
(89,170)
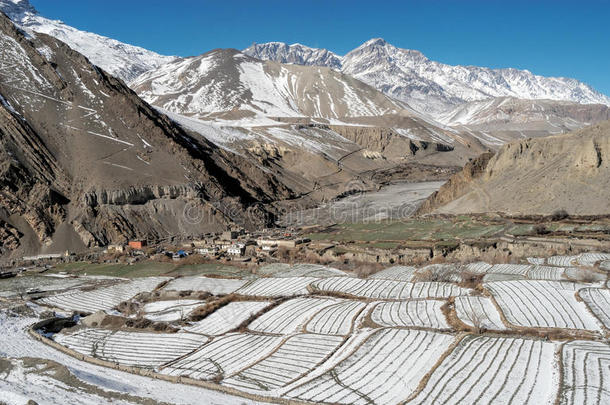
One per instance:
(297,54)
(119,59)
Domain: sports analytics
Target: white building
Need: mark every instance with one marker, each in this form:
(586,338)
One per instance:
(235,250)
(207,251)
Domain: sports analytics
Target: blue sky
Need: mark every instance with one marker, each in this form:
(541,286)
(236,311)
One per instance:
(552,38)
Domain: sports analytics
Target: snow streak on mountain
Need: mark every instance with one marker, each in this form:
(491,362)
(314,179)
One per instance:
(119,59)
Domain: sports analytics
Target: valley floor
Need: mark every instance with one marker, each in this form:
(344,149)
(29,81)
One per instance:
(393,201)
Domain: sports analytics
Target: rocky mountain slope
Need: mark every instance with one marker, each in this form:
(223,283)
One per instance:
(86,162)
(226,83)
(508,118)
(119,59)
(510,111)
(433,87)
(534,176)
(268,109)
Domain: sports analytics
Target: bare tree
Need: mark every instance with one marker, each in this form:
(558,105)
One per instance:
(476,319)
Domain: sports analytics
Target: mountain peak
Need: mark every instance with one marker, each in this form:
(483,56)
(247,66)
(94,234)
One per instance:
(375,42)
(297,54)
(17,10)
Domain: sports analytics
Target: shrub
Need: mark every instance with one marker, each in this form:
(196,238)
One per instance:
(541,230)
(559,215)
(366,269)
(470,279)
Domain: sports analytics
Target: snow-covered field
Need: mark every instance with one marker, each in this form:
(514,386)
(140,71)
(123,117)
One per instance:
(494,371)
(19,386)
(565,261)
(420,313)
(396,273)
(586,372)
(214,286)
(309,270)
(290,316)
(384,370)
(102,299)
(145,350)
(479,312)
(550,304)
(317,334)
(297,356)
(546,273)
(336,319)
(583,259)
(224,356)
(168,311)
(276,287)
(227,318)
(388,289)
(598,300)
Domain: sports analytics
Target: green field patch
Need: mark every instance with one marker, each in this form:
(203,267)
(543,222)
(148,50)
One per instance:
(413,229)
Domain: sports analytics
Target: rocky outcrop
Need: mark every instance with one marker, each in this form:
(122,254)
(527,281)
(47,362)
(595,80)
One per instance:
(535,177)
(457,185)
(389,142)
(140,195)
(9,237)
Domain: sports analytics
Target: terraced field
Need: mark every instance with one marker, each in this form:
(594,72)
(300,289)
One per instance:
(548,304)
(145,350)
(295,357)
(386,369)
(320,335)
(478,312)
(396,273)
(539,272)
(598,300)
(419,313)
(301,270)
(290,316)
(336,319)
(388,289)
(227,318)
(277,287)
(224,356)
(493,371)
(216,286)
(104,298)
(169,311)
(586,373)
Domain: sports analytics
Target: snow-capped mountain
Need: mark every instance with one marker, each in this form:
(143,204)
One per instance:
(434,88)
(296,54)
(226,82)
(117,58)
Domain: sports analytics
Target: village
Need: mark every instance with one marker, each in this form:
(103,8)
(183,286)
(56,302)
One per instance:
(237,246)
(234,245)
